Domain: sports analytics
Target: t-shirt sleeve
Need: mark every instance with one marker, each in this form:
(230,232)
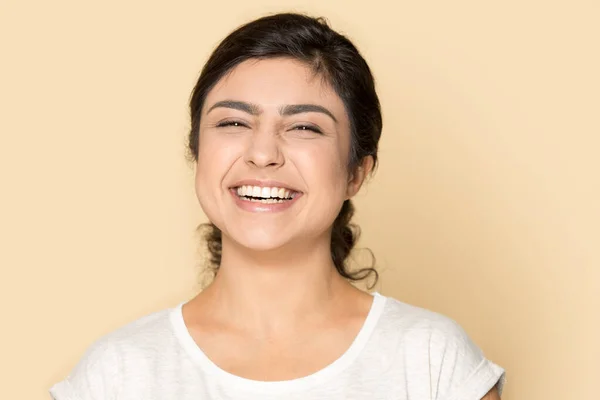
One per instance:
(459,369)
(93,378)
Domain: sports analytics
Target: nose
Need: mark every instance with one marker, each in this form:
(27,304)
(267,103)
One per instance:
(263,149)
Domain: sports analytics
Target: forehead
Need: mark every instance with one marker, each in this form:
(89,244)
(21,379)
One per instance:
(276,82)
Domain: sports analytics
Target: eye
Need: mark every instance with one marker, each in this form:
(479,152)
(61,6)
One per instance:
(233,123)
(307,128)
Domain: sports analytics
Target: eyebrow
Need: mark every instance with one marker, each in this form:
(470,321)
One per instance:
(292,109)
(237,105)
(287,110)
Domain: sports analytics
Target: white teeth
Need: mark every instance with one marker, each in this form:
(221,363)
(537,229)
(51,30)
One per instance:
(265,193)
(267,201)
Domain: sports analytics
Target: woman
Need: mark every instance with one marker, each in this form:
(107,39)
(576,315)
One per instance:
(285,124)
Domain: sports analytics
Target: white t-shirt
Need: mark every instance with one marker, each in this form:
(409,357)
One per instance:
(402,352)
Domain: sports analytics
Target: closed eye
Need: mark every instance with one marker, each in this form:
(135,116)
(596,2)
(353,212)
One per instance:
(307,128)
(237,124)
(223,124)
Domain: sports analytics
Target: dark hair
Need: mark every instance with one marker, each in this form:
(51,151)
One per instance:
(336,59)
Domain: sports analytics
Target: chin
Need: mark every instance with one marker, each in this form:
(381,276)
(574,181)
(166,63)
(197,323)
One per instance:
(258,241)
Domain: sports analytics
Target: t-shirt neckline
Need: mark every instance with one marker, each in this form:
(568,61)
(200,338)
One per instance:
(273,387)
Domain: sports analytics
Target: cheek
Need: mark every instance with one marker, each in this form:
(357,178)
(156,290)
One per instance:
(216,154)
(215,158)
(324,169)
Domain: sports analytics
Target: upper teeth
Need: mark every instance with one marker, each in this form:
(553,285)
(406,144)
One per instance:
(264,192)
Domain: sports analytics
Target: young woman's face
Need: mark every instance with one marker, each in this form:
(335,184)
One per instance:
(273,154)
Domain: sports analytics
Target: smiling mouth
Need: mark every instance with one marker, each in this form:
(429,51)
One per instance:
(264,194)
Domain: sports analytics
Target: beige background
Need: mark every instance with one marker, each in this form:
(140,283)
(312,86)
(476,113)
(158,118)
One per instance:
(485,206)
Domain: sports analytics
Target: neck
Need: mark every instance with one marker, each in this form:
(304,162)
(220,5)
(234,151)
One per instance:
(273,293)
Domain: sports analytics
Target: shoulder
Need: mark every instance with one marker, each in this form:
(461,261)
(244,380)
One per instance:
(437,346)
(140,337)
(413,322)
(143,333)
(422,331)
(99,371)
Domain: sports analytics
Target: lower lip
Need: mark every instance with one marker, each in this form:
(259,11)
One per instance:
(257,206)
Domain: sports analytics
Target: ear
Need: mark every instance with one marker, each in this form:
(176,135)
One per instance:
(357,177)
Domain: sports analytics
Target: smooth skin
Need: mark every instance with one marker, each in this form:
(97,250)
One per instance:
(275,120)
(283,255)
